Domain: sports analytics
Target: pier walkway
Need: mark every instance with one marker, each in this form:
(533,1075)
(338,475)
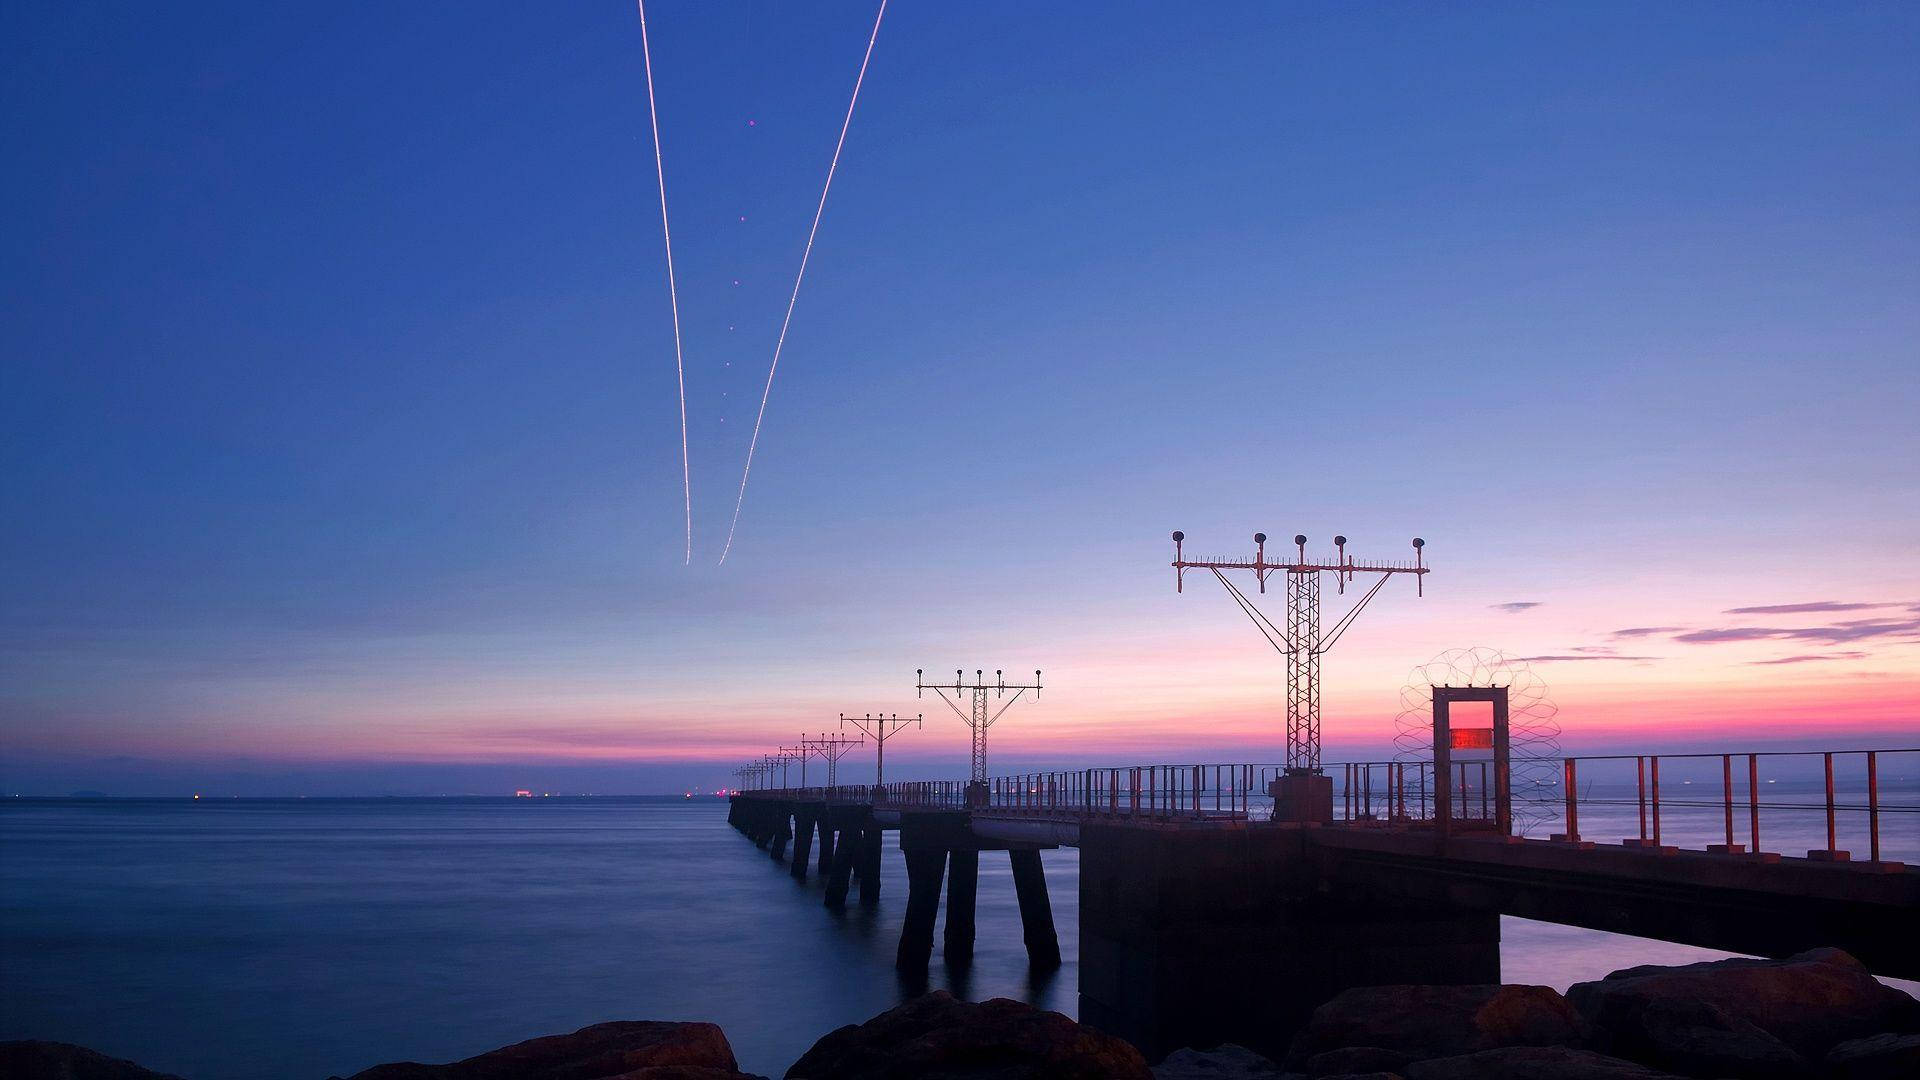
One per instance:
(1215,905)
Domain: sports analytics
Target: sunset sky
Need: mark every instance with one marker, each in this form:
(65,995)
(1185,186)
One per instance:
(342,448)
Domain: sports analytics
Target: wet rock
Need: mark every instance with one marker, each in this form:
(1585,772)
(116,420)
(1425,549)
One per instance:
(937,1035)
(621,1050)
(1225,1062)
(1877,1057)
(1438,1021)
(1357,1059)
(1733,1017)
(1532,1063)
(31,1059)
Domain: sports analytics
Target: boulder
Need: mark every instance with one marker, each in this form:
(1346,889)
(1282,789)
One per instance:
(31,1059)
(939,1036)
(1734,1017)
(620,1050)
(1438,1021)
(1877,1057)
(1225,1062)
(1356,1059)
(1532,1063)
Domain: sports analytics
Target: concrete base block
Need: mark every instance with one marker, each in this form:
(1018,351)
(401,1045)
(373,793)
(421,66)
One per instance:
(1302,796)
(1823,855)
(1194,937)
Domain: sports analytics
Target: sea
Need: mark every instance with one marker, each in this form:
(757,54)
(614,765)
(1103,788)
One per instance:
(252,939)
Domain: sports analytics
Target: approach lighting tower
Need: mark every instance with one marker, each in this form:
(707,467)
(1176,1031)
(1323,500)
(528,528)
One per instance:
(880,729)
(833,747)
(1301,642)
(799,754)
(980,719)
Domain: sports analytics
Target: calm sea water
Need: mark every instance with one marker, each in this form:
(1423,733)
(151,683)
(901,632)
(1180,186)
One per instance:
(237,940)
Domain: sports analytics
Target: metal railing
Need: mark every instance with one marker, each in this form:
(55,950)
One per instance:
(1735,794)
(1811,801)
(1153,792)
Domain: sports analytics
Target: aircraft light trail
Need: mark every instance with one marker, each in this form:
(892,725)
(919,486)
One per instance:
(673,289)
(781,342)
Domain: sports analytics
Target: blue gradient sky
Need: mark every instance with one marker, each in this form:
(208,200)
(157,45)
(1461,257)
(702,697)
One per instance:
(342,451)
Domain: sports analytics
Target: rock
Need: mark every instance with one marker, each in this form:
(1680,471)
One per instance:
(938,1036)
(1438,1021)
(1357,1059)
(621,1050)
(1225,1062)
(1366,1076)
(1732,1016)
(31,1059)
(1532,1063)
(1877,1057)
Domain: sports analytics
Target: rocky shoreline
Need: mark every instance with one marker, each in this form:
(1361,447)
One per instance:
(1816,1016)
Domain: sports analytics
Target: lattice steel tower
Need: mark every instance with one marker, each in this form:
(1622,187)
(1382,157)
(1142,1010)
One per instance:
(880,728)
(981,718)
(1302,643)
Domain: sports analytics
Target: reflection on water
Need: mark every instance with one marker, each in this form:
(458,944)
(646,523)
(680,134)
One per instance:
(229,940)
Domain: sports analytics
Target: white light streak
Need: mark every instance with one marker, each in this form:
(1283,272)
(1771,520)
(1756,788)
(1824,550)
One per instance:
(779,344)
(673,289)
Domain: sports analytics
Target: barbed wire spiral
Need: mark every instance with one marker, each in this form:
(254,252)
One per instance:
(1533,727)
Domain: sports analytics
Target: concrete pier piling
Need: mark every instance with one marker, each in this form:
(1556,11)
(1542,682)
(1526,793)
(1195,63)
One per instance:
(1036,911)
(826,842)
(802,841)
(845,851)
(782,832)
(963,881)
(925,869)
(871,844)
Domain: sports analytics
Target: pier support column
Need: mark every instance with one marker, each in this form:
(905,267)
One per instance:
(1036,911)
(844,854)
(925,868)
(963,880)
(802,841)
(826,843)
(1167,916)
(782,832)
(871,843)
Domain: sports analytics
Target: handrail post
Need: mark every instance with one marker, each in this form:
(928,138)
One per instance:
(1656,800)
(1873,807)
(1640,791)
(1753,798)
(1572,796)
(1726,793)
(1830,831)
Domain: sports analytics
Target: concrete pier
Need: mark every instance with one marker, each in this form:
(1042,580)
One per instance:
(1036,911)
(1211,934)
(802,841)
(845,851)
(826,841)
(963,882)
(872,842)
(925,869)
(782,832)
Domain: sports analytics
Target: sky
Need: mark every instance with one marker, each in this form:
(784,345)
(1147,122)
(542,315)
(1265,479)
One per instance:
(342,450)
